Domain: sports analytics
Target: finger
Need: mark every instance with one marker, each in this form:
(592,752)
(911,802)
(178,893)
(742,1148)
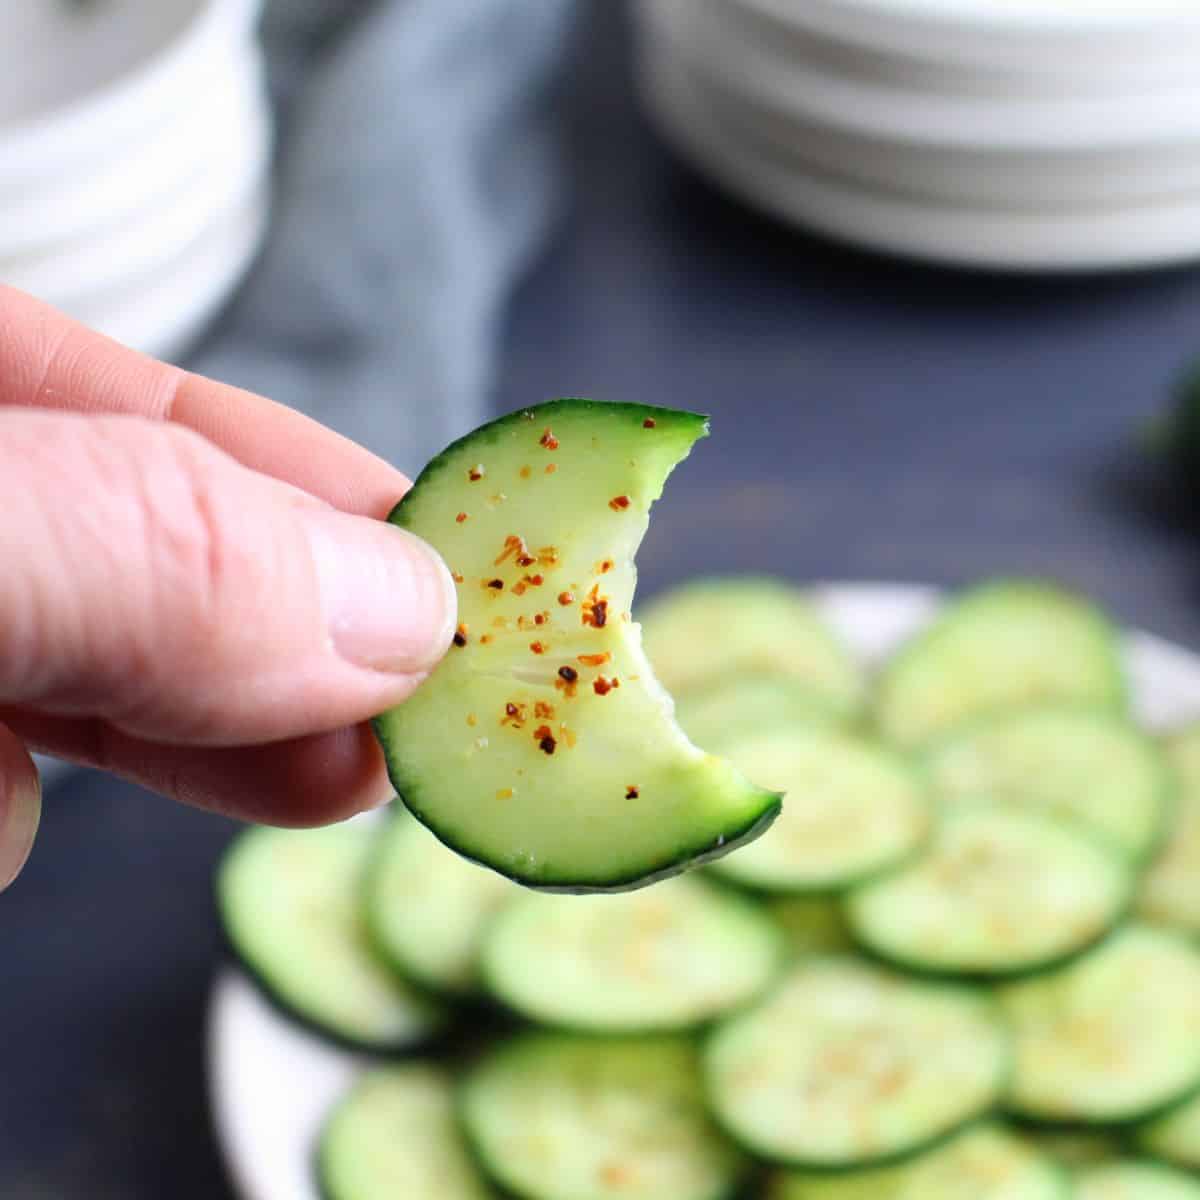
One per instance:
(152,581)
(49,361)
(20,806)
(301,782)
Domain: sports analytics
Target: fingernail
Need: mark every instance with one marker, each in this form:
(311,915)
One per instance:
(20,813)
(388,598)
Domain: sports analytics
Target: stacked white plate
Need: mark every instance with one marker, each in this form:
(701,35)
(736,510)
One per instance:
(135,145)
(1013,134)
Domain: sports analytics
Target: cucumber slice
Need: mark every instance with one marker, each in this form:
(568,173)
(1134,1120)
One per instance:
(814,925)
(1175,1135)
(665,958)
(427,907)
(1076,763)
(1074,1147)
(708,632)
(1170,892)
(984,1163)
(715,717)
(999,891)
(290,904)
(1133,1180)
(846,1065)
(395,1134)
(543,746)
(1012,642)
(1112,1037)
(853,809)
(557,1117)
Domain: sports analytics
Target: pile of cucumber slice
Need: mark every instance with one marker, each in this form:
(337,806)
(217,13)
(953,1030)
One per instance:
(963,964)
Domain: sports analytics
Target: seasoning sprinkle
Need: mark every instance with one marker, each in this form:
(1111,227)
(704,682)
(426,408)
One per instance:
(569,674)
(504,794)
(460,636)
(456,577)
(619,503)
(542,709)
(595,660)
(461,518)
(537,647)
(551,468)
(525,472)
(476,473)
(548,744)
(601,686)
(649,423)
(472,720)
(549,440)
(631,792)
(496,584)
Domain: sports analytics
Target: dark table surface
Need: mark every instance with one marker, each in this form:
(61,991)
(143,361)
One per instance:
(872,420)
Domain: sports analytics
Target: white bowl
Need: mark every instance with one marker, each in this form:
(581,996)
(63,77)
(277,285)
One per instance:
(137,176)
(1084,239)
(103,84)
(272,1085)
(1020,180)
(1093,122)
(1065,39)
(159,230)
(163,315)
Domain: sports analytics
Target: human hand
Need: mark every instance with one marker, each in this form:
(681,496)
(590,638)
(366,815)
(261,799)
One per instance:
(191,596)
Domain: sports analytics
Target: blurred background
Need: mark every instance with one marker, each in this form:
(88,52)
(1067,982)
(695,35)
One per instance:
(931,277)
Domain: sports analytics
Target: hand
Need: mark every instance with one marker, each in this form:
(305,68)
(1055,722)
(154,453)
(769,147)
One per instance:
(191,594)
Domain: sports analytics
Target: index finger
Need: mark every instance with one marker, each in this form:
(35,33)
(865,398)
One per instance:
(49,361)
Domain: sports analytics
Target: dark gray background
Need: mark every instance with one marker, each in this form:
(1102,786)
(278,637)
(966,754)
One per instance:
(871,420)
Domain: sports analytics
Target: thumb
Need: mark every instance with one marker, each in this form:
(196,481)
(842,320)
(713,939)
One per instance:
(20,806)
(154,582)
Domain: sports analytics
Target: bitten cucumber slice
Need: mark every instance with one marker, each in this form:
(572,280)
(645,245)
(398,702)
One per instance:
(846,1065)
(999,891)
(543,745)
(665,958)
(853,809)
(984,1163)
(396,1135)
(714,717)
(1175,1135)
(1170,892)
(427,907)
(1112,1037)
(290,904)
(1077,763)
(558,1117)
(712,631)
(1130,1179)
(1006,643)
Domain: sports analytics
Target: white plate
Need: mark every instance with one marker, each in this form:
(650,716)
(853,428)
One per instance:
(952,174)
(73,273)
(1092,239)
(1109,120)
(272,1084)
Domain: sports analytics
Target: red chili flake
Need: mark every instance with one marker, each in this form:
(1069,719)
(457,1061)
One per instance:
(540,618)
(551,468)
(513,545)
(461,518)
(649,423)
(514,714)
(617,503)
(595,660)
(535,580)
(526,560)
(601,686)
(486,639)
(476,473)
(600,614)
(460,636)
(542,709)
(537,647)
(566,598)
(549,440)
(525,472)
(605,566)
(547,744)
(510,709)
(496,584)
(568,673)
(519,588)
(631,792)
(542,731)
(548,556)
(456,577)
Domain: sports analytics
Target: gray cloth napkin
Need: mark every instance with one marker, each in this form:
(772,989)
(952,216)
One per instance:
(416,178)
